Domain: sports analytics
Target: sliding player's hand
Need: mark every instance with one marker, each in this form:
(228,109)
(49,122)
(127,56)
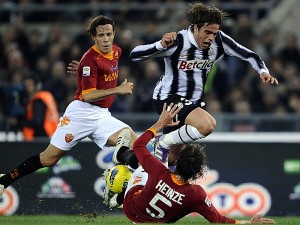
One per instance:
(166,117)
(259,219)
(169,113)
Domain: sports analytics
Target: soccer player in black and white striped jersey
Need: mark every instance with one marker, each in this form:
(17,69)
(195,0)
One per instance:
(189,55)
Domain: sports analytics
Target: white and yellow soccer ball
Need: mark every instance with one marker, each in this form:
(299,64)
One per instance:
(118,178)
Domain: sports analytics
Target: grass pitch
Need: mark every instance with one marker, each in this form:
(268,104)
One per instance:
(106,219)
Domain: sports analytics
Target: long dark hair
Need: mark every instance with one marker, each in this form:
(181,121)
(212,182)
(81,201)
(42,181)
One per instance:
(191,162)
(199,14)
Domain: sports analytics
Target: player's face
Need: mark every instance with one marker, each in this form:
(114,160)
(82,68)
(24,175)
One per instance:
(104,38)
(205,35)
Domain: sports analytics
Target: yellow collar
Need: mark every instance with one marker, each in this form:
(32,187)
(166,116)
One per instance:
(109,55)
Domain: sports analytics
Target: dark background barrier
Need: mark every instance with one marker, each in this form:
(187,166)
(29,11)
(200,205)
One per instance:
(271,172)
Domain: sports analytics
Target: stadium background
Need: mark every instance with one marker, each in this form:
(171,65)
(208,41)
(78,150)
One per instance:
(254,153)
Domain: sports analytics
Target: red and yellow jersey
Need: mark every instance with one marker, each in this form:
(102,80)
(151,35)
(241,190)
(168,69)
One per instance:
(98,71)
(164,198)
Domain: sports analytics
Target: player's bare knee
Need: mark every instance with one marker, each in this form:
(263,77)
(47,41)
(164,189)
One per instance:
(211,126)
(208,128)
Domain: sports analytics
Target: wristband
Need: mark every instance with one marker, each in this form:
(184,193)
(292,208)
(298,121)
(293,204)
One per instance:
(153,131)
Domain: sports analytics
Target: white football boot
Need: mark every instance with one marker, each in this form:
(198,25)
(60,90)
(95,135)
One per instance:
(124,139)
(1,187)
(160,152)
(113,202)
(107,193)
(109,197)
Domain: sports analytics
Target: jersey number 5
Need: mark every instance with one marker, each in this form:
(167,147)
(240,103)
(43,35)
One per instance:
(152,203)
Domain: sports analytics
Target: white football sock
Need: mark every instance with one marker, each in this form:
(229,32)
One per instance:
(183,135)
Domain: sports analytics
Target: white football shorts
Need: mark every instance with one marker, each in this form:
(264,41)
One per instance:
(81,120)
(139,177)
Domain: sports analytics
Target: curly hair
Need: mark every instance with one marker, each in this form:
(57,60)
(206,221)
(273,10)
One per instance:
(191,162)
(199,14)
(99,20)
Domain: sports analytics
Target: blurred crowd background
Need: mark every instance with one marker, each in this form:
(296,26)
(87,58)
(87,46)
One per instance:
(40,38)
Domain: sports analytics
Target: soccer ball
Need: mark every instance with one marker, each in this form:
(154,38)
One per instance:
(118,178)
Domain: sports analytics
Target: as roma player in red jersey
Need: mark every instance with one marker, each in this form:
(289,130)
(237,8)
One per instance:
(88,114)
(98,73)
(156,194)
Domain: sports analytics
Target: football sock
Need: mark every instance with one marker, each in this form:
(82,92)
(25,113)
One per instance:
(122,154)
(132,160)
(28,166)
(127,156)
(120,197)
(183,135)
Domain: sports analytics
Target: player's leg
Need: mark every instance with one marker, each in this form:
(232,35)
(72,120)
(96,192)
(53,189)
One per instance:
(195,124)
(124,135)
(68,133)
(2,188)
(47,158)
(161,151)
(123,153)
(127,156)
(107,194)
(115,132)
(51,155)
(111,199)
(124,141)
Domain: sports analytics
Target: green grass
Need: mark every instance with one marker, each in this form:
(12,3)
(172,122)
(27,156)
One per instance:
(106,219)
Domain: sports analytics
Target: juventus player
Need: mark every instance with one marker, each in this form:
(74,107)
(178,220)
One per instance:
(88,114)
(155,194)
(189,56)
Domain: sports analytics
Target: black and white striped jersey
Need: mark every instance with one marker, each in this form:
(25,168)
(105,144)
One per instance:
(187,66)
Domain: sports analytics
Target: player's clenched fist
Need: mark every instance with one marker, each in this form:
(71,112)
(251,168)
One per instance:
(168,39)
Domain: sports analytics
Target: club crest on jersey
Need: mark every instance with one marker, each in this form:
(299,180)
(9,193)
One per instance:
(195,64)
(114,68)
(86,71)
(116,54)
